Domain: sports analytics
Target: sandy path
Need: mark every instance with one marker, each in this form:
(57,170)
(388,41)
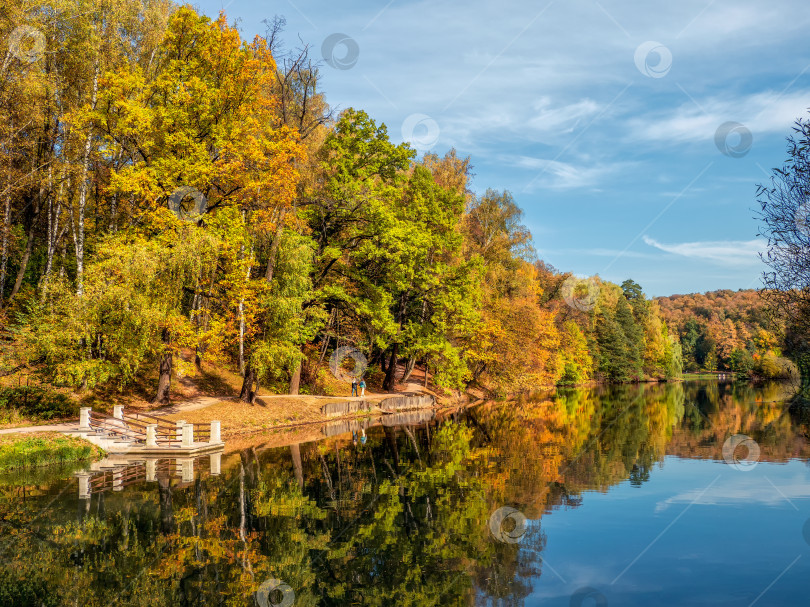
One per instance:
(64,427)
(188,405)
(201,402)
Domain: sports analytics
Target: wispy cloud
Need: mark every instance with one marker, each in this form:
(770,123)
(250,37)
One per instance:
(726,252)
(561,118)
(558,175)
(761,113)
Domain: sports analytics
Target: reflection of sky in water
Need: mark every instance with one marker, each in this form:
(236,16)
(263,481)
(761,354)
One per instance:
(723,536)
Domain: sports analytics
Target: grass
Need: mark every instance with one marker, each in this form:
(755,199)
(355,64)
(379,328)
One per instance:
(43,449)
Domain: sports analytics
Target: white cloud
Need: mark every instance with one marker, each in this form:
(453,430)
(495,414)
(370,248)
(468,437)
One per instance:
(558,175)
(761,113)
(563,118)
(726,252)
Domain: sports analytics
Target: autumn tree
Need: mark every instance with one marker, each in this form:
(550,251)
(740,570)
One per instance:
(201,117)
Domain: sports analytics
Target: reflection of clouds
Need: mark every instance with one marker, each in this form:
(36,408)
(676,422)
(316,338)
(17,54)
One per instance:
(598,576)
(744,491)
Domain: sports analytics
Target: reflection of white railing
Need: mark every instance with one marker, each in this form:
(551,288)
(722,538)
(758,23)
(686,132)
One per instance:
(106,474)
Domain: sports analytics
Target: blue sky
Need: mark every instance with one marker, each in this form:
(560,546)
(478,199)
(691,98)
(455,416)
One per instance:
(601,117)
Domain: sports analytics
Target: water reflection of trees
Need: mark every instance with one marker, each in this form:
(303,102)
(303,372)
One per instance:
(770,413)
(401,519)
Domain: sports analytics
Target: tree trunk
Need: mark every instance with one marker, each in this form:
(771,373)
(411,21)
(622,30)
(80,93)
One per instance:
(327,476)
(426,374)
(6,233)
(241,337)
(409,369)
(28,246)
(295,451)
(412,359)
(324,348)
(247,395)
(295,380)
(412,438)
(391,441)
(113,226)
(327,336)
(165,377)
(242,316)
(391,372)
(54,234)
(242,510)
(78,233)
(166,507)
(271,260)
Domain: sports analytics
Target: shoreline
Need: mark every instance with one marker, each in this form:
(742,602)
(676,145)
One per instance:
(286,412)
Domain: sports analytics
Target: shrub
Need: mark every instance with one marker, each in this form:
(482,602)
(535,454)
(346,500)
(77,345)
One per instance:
(770,366)
(571,375)
(33,402)
(741,361)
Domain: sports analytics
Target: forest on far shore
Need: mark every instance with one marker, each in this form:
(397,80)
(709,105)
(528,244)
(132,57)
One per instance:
(728,330)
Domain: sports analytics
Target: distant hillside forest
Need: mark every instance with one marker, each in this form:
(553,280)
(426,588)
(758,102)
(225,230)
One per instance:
(728,331)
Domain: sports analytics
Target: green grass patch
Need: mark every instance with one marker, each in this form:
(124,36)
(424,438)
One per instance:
(43,449)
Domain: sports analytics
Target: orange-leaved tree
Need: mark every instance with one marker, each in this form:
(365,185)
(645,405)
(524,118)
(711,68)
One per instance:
(197,130)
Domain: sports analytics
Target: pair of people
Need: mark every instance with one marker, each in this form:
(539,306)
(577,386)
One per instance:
(362,437)
(356,385)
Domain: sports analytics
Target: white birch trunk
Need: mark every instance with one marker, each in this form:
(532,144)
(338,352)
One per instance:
(78,232)
(6,233)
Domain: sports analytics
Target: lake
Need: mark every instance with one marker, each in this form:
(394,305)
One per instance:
(694,493)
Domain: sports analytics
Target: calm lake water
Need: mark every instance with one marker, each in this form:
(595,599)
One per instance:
(610,496)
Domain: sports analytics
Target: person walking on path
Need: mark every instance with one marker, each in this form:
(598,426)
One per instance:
(363,388)
(354,386)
